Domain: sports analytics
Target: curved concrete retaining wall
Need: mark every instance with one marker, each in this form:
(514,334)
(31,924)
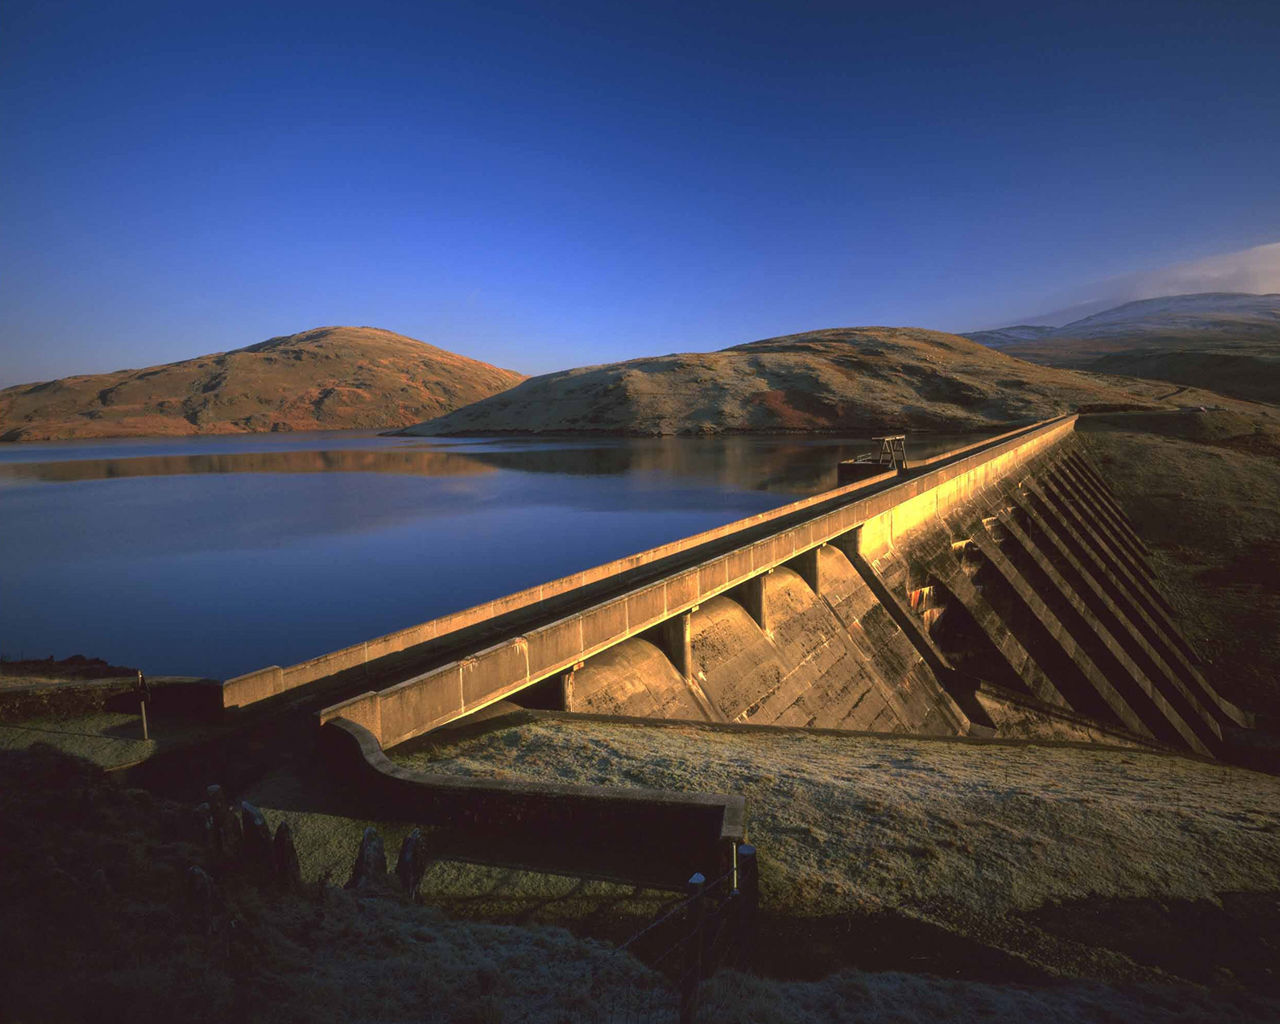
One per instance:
(638,836)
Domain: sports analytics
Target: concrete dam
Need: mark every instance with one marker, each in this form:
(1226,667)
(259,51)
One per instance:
(993,591)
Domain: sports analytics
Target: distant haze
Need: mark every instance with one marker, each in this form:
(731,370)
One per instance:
(1255,270)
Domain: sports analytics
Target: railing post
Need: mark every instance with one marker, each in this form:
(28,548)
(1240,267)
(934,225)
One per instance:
(693,952)
(749,889)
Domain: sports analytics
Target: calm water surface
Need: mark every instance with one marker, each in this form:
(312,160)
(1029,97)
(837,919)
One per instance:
(215,556)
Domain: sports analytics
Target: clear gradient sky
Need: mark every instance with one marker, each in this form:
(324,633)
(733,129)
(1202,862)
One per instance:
(543,185)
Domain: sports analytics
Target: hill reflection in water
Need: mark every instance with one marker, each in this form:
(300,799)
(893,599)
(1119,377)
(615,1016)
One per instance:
(786,464)
(218,556)
(756,463)
(413,463)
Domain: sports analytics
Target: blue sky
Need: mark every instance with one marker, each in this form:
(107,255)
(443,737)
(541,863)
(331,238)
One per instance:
(546,185)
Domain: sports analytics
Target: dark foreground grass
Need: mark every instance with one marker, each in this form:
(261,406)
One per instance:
(971,860)
(98,927)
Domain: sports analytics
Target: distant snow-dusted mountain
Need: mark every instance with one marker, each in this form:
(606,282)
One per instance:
(1226,341)
(1207,311)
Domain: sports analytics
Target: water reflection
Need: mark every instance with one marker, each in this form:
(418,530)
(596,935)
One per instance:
(775,464)
(413,463)
(217,556)
(780,464)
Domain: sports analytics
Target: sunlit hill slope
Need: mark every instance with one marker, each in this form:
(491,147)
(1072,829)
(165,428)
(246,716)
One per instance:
(853,379)
(330,378)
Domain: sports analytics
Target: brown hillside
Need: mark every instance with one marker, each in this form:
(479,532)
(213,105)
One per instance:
(330,378)
(1203,490)
(855,379)
(1227,342)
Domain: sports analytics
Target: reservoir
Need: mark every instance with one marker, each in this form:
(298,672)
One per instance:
(215,556)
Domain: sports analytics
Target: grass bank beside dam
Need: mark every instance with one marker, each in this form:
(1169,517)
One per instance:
(1001,844)
(1203,490)
(903,877)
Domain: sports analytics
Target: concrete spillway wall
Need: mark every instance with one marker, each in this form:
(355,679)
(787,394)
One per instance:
(639,836)
(1000,590)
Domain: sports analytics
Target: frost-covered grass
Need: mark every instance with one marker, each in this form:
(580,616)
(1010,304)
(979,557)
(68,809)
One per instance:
(94,884)
(987,861)
(1117,871)
(855,997)
(871,822)
(106,738)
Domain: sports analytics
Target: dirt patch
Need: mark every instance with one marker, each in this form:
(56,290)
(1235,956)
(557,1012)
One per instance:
(793,409)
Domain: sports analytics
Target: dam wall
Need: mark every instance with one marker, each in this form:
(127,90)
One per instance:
(997,591)
(831,660)
(739,555)
(273,680)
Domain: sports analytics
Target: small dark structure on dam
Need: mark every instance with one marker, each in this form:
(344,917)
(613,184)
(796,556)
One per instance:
(997,591)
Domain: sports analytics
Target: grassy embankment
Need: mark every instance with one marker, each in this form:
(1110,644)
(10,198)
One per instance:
(1150,885)
(991,842)
(1203,490)
(95,883)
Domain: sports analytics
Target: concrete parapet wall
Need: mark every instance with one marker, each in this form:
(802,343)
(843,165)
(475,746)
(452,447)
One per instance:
(253,687)
(364,711)
(968,448)
(273,680)
(936,493)
(983,597)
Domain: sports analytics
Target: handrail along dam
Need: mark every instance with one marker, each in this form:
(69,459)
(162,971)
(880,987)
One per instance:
(994,591)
